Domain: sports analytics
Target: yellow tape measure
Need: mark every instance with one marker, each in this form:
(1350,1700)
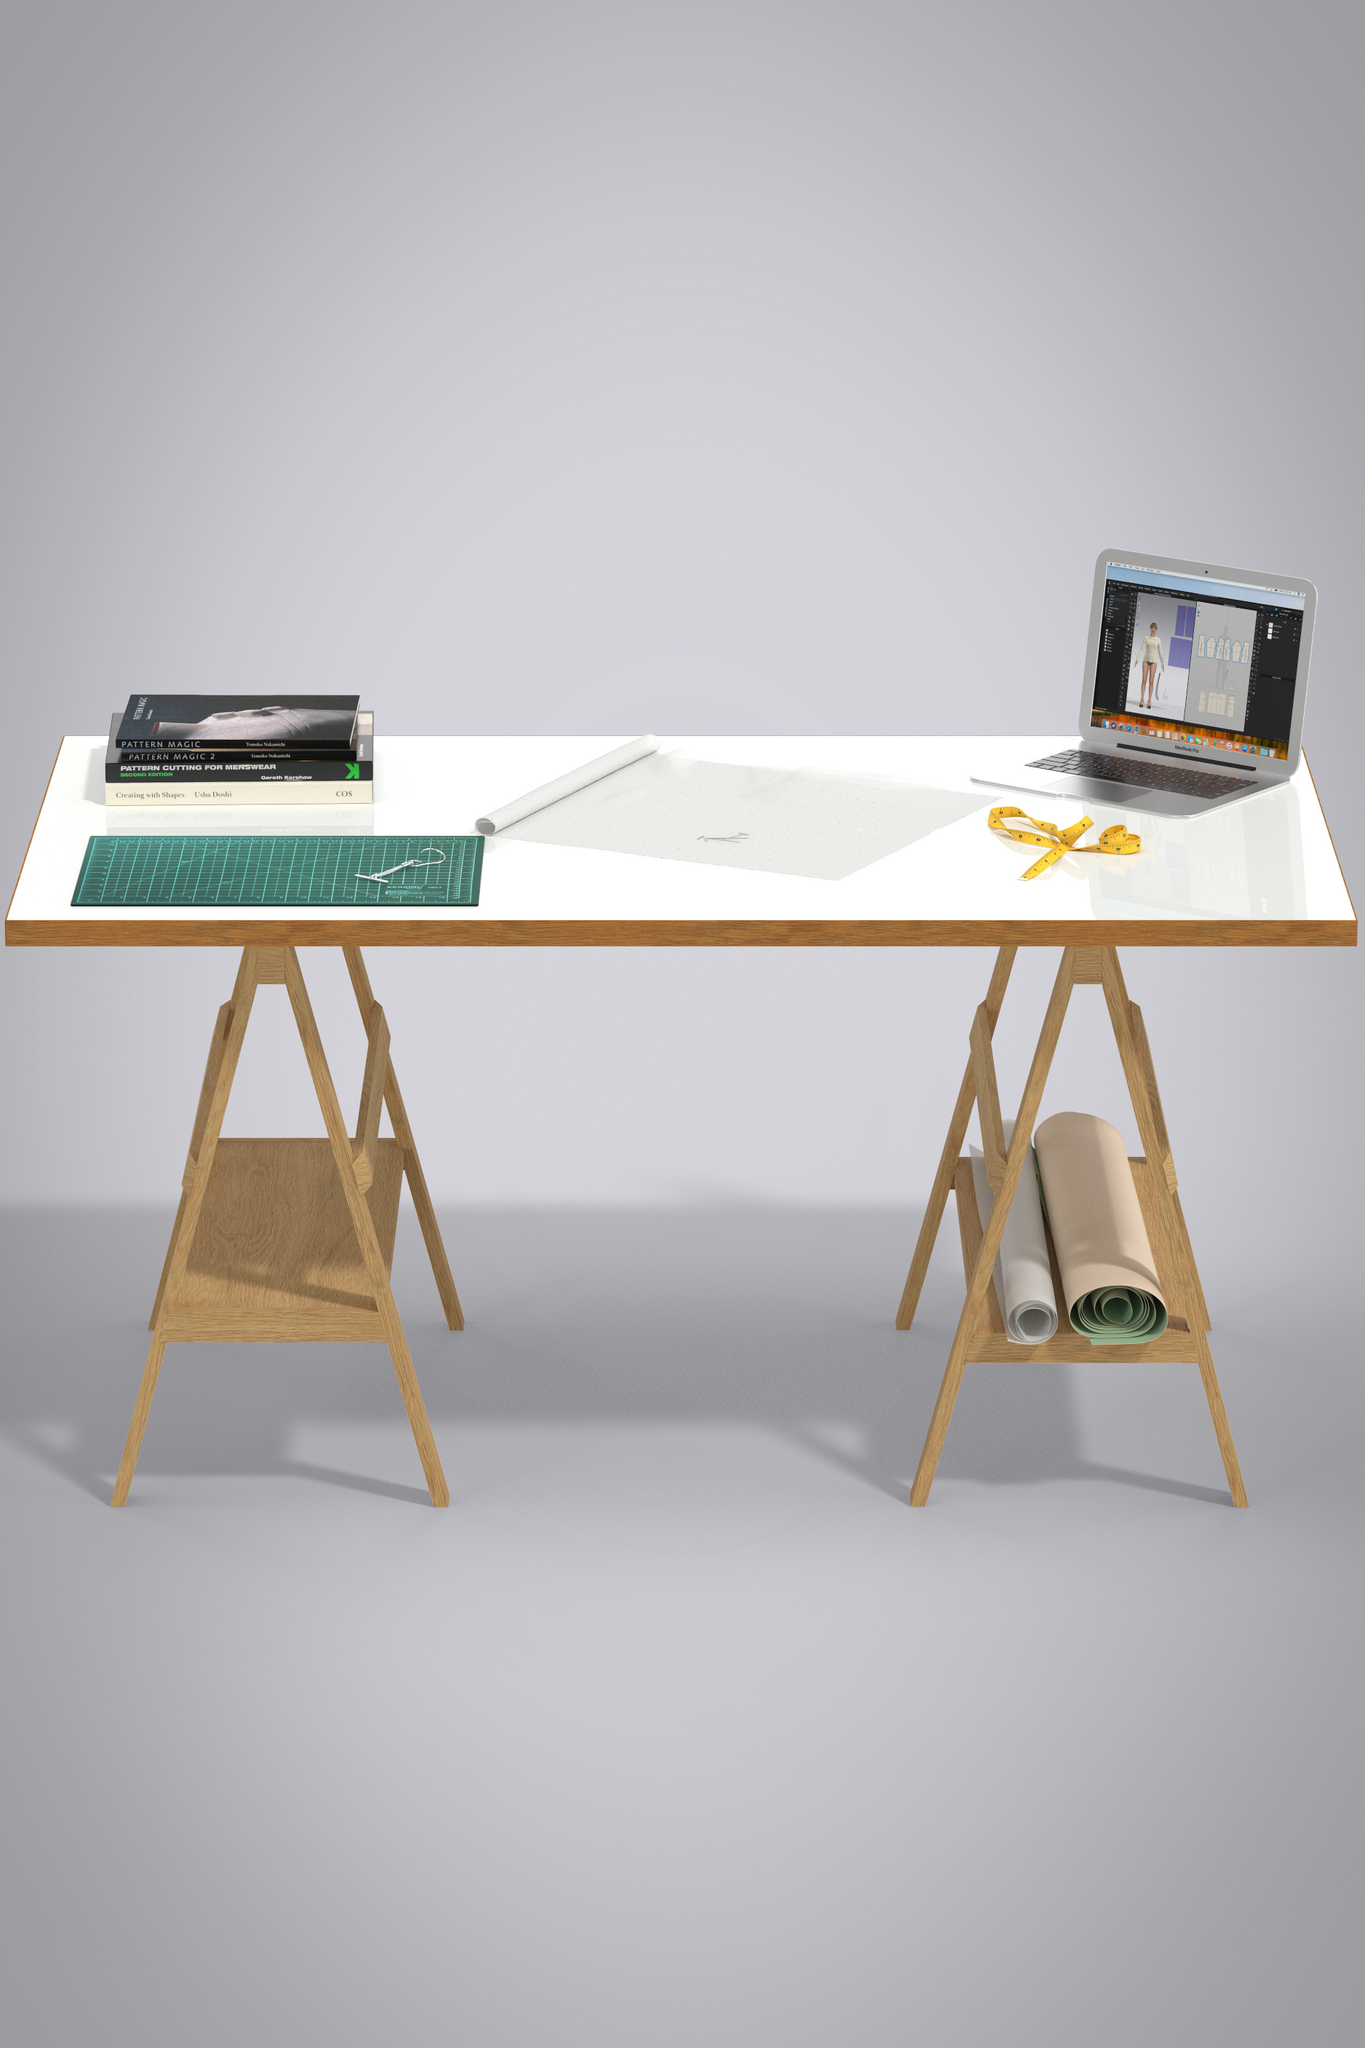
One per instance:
(1114,838)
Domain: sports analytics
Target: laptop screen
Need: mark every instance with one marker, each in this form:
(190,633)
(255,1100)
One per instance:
(1207,664)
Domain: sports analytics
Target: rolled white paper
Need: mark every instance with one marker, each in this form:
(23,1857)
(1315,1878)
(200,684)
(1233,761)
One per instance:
(565,785)
(1023,1276)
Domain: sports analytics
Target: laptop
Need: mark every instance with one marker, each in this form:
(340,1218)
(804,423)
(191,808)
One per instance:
(1195,679)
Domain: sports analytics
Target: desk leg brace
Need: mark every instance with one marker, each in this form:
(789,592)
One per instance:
(280,964)
(412,1165)
(1078,964)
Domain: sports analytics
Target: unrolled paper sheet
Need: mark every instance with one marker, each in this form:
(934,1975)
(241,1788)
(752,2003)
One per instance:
(1103,1252)
(669,805)
(1023,1276)
(566,785)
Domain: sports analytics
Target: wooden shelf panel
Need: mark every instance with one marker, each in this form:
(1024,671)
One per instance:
(275,1255)
(1174,1346)
(264,1326)
(989,1343)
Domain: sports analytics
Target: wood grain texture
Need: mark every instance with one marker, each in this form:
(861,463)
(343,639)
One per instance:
(275,1235)
(456,928)
(1199,1308)
(363,1226)
(109,928)
(952,1145)
(990,1319)
(1120,1018)
(987,1098)
(224,1048)
(1171,1274)
(274,1239)
(412,1165)
(1213,1394)
(1176,1345)
(371,1099)
(1170,1348)
(306,1326)
(980,1336)
(990,1243)
(217,1047)
(1085,965)
(1144,1053)
(142,1408)
(225,1064)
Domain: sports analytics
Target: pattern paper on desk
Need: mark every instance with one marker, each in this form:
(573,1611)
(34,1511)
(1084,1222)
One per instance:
(786,821)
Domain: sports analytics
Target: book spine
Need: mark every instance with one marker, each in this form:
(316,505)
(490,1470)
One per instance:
(170,796)
(130,775)
(214,750)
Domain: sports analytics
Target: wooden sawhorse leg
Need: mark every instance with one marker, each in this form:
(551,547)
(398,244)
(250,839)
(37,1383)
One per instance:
(952,1146)
(1098,964)
(354,1160)
(412,1165)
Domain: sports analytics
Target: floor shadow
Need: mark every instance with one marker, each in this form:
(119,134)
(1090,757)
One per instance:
(1153,1482)
(354,1482)
(775,1319)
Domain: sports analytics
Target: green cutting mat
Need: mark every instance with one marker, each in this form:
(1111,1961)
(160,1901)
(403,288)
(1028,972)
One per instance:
(267,868)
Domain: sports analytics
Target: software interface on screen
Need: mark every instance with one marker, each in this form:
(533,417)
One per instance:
(1212,664)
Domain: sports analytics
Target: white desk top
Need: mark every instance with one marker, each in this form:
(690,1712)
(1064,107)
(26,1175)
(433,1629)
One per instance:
(1259,872)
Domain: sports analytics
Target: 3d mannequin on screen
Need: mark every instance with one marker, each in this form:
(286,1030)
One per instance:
(1153,659)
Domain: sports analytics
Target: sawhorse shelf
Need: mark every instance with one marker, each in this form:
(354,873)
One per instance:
(980,1334)
(290,1240)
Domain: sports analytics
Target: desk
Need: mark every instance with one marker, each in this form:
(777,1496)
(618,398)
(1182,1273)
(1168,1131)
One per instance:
(1262,872)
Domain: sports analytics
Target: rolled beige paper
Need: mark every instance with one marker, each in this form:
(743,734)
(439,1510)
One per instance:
(1103,1253)
(565,785)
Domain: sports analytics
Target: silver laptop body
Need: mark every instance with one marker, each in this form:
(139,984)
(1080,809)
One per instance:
(1194,687)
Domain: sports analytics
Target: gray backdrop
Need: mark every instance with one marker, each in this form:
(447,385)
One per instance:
(685,366)
(611,368)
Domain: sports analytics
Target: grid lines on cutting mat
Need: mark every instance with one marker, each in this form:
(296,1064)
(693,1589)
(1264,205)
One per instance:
(121,869)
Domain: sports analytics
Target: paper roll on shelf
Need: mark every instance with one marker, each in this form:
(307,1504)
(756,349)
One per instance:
(566,785)
(1104,1255)
(1023,1275)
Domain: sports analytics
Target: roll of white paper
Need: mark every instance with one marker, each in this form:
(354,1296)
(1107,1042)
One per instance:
(565,785)
(1023,1276)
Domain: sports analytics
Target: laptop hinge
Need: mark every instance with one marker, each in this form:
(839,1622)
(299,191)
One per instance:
(1242,767)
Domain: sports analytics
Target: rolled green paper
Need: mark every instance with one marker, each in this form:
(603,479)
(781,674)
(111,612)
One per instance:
(1118,1315)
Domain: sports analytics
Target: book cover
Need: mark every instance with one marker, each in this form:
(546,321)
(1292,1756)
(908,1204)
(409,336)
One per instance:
(132,765)
(193,722)
(355,764)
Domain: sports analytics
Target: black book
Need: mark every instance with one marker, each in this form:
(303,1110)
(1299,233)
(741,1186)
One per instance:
(135,765)
(314,726)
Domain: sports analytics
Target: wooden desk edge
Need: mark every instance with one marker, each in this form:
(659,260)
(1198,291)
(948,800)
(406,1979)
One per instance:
(400,931)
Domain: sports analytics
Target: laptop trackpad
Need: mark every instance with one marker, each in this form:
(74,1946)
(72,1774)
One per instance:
(1077,787)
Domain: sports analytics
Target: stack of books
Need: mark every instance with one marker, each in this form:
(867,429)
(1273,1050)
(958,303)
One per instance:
(180,751)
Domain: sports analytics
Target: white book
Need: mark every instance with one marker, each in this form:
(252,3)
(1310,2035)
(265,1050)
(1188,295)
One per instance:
(206,795)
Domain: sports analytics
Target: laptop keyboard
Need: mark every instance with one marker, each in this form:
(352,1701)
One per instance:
(1147,774)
